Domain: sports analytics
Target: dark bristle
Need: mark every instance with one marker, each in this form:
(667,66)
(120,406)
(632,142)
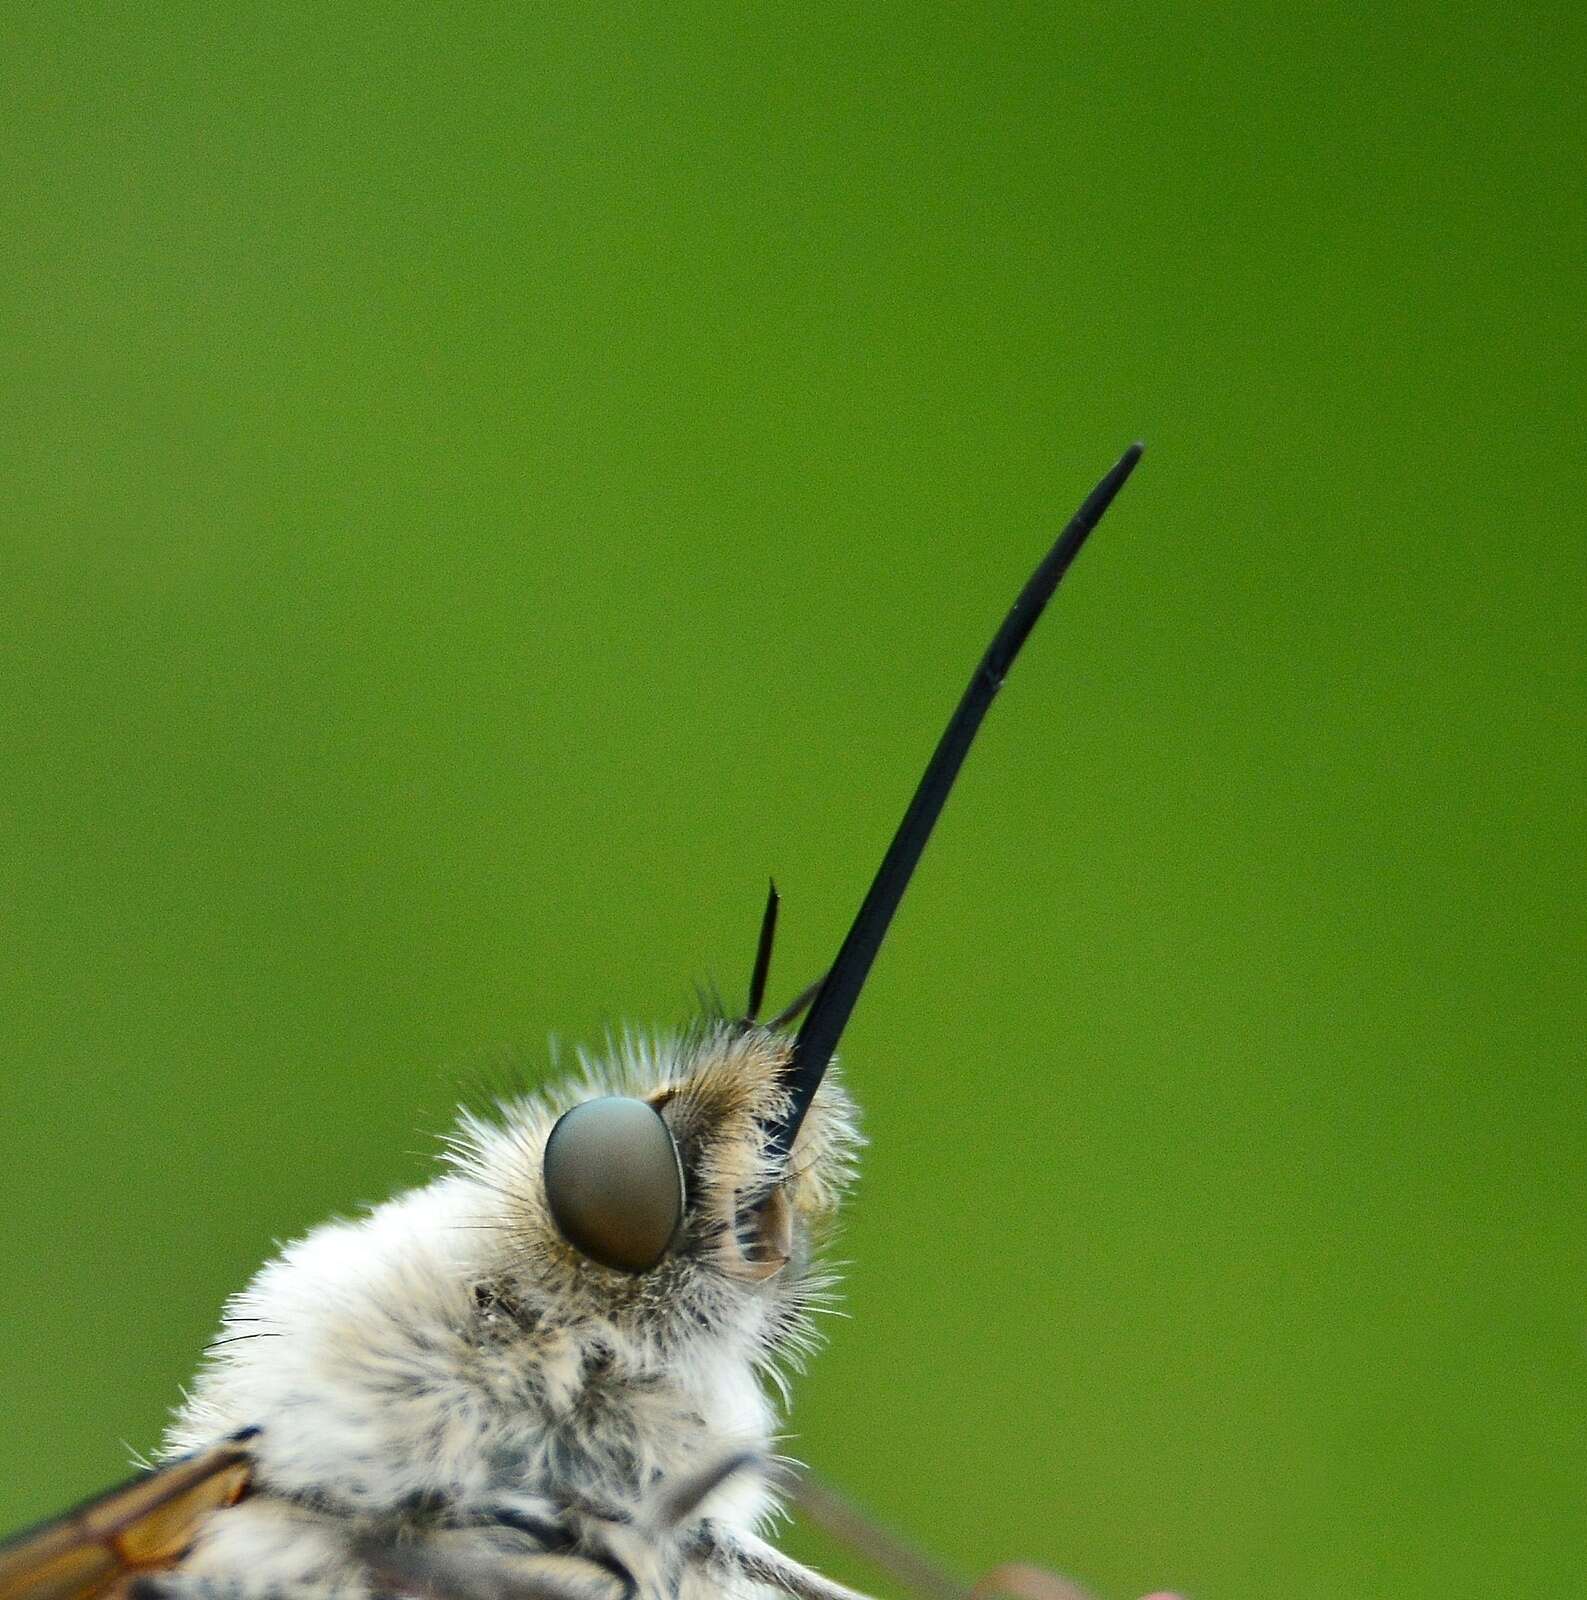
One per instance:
(797,1007)
(762,970)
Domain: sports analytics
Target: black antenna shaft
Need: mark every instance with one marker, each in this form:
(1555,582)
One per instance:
(823,1026)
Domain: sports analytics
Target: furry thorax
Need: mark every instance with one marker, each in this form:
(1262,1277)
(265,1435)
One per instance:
(448,1363)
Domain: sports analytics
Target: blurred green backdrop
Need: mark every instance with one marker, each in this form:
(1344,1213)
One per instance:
(485,485)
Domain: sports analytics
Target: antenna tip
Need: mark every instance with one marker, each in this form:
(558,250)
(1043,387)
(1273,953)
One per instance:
(1085,519)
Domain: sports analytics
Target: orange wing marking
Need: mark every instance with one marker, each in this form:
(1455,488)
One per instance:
(140,1526)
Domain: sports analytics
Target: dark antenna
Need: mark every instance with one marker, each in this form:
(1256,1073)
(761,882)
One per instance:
(768,933)
(828,1015)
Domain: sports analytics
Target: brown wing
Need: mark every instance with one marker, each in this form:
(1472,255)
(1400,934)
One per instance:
(139,1526)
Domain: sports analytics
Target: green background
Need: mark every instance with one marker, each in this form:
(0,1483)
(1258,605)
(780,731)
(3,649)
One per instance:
(483,486)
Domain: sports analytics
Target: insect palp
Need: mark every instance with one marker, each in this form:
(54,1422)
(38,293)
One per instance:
(762,969)
(829,1013)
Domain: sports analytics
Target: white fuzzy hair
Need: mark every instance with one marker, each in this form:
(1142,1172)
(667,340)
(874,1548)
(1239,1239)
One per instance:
(448,1374)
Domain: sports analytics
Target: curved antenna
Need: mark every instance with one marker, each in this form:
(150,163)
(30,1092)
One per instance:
(829,1014)
(768,933)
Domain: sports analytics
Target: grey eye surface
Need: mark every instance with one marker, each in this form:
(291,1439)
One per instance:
(614,1182)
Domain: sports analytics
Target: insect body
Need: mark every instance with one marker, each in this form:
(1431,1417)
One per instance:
(550,1374)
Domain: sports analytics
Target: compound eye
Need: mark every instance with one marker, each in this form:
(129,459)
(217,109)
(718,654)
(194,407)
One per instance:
(614,1182)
